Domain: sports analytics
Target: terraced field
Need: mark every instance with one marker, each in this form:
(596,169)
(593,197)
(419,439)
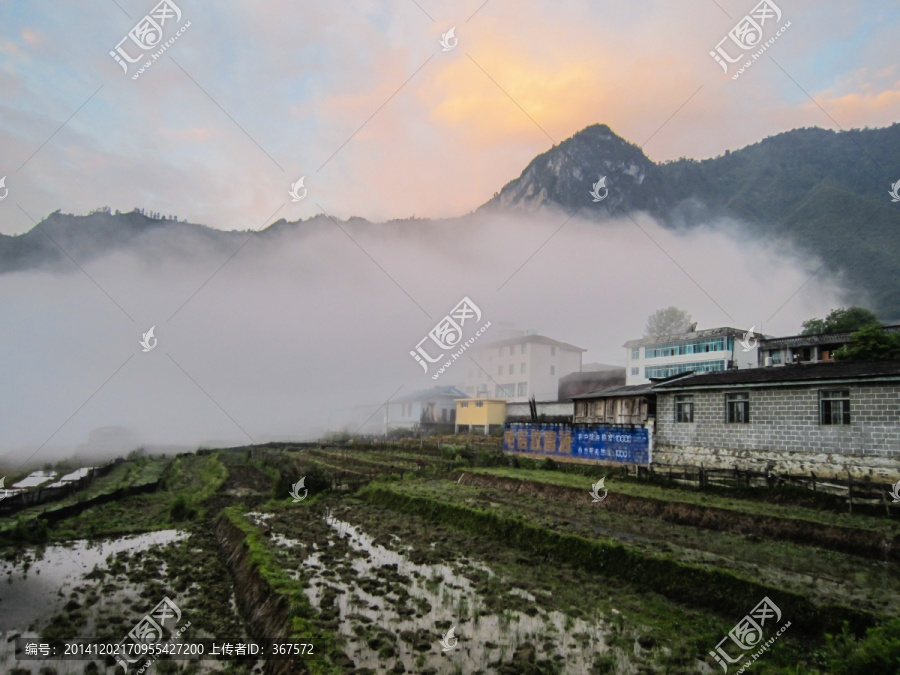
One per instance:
(448,558)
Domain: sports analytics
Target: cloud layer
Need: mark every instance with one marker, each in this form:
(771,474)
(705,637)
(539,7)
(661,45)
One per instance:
(311,328)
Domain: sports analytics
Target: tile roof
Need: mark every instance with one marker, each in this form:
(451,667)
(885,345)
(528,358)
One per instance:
(625,390)
(806,372)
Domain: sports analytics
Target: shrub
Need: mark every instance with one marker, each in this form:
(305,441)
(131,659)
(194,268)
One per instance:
(877,652)
(547,464)
(181,509)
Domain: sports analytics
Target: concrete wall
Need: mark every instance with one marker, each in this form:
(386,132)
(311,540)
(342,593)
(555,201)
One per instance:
(784,432)
(521,410)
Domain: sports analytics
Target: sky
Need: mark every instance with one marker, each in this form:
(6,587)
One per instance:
(361,100)
(287,336)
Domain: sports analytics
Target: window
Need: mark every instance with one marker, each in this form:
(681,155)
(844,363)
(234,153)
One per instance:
(512,369)
(505,391)
(553,350)
(737,408)
(499,370)
(693,347)
(463,405)
(479,404)
(776,357)
(834,406)
(444,415)
(636,370)
(523,349)
(697,367)
(523,389)
(521,368)
(684,408)
(482,390)
(553,370)
(635,353)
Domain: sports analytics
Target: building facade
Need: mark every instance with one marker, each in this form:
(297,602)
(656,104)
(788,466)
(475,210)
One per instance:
(631,405)
(703,351)
(424,408)
(480,413)
(827,418)
(805,348)
(519,367)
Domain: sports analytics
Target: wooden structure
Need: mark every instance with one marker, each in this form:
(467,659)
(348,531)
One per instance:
(632,404)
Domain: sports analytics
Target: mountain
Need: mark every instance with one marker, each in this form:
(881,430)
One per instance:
(564,176)
(826,192)
(61,238)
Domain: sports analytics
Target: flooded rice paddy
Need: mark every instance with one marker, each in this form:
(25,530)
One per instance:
(394,611)
(102,589)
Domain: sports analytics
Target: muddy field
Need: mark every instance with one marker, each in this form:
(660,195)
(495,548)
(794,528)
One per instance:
(449,559)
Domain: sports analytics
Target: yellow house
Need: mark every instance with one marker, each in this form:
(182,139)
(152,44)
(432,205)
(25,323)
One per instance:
(480,412)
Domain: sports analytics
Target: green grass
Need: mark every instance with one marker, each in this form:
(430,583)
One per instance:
(647,490)
(194,478)
(131,472)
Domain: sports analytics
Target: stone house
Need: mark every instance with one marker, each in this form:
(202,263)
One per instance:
(827,418)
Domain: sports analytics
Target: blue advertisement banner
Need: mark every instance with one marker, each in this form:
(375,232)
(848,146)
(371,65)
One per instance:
(596,441)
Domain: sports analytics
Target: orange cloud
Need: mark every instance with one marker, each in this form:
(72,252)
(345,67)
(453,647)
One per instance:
(858,109)
(31,37)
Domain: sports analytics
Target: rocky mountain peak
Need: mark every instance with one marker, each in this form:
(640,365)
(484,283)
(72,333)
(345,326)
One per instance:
(565,177)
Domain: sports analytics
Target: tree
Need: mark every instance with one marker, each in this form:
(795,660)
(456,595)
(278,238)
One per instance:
(840,320)
(870,343)
(812,327)
(668,321)
(850,319)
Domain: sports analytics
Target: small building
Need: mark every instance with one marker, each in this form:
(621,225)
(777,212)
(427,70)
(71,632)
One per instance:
(520,365)
(780,351)
(592,377)
(480,412)
(698,351)
(424,409)
(828,418)
(633,405)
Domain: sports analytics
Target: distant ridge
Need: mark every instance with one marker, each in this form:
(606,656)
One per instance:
(824,191)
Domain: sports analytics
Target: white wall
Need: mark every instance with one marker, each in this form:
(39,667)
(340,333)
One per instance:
(537,359)
(738,355)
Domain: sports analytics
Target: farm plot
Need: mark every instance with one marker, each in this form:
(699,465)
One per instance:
(394,586)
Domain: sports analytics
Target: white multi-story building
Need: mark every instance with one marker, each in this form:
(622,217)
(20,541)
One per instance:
(520,365)
(700,351)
